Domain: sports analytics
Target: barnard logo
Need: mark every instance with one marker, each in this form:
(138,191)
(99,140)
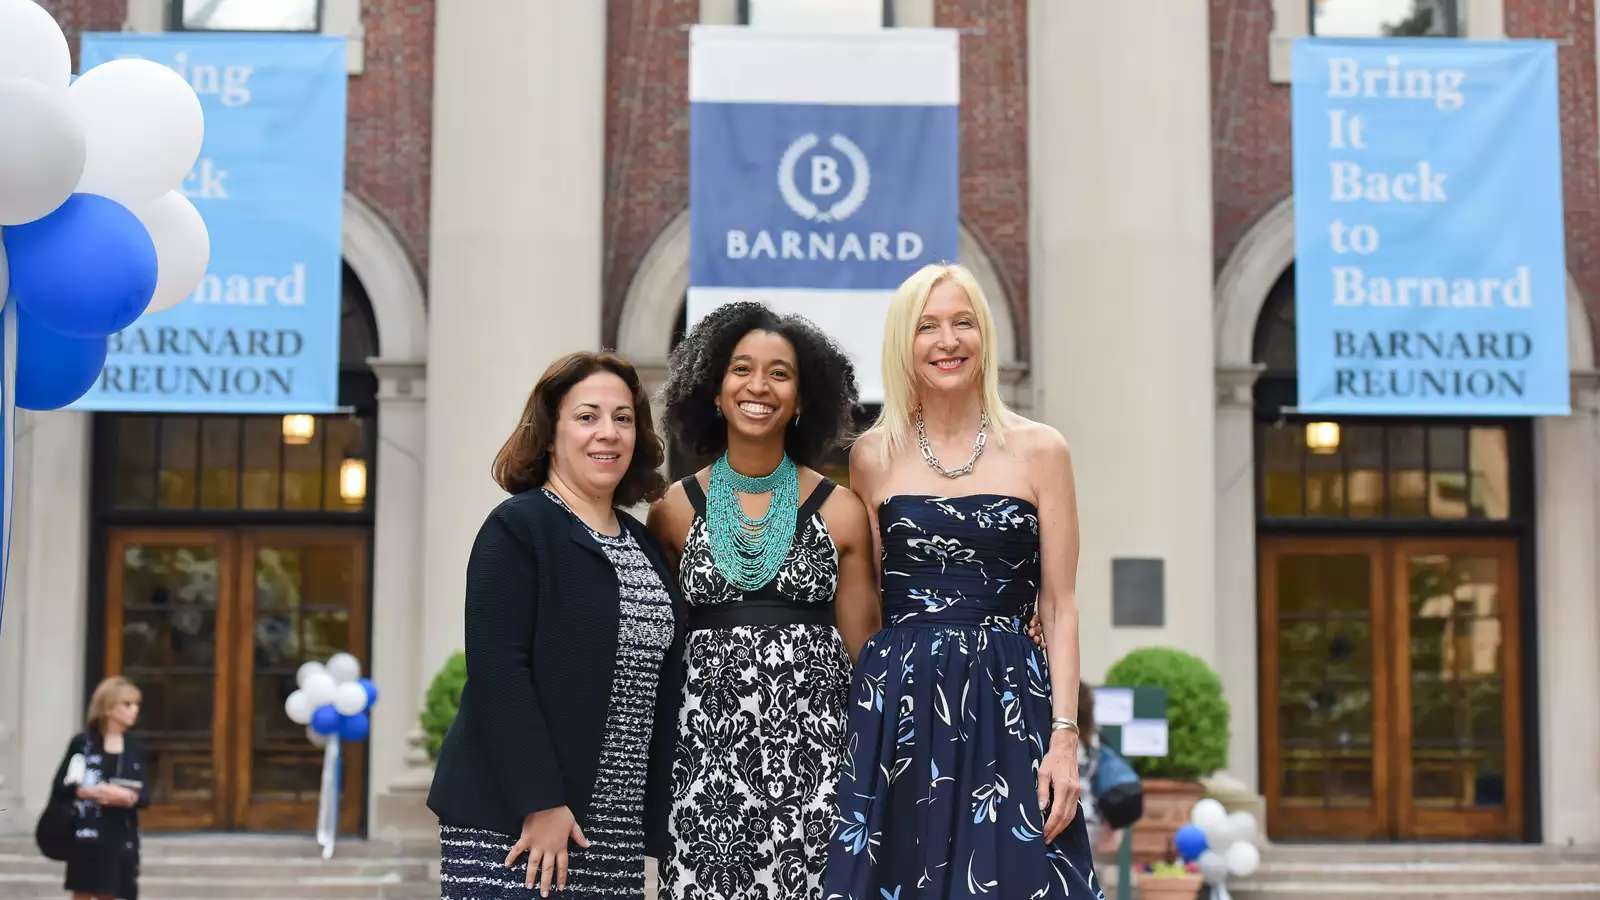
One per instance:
(820,168)
(825,180)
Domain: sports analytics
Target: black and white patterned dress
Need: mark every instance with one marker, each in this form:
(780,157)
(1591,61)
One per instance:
(761,730)
(612,866)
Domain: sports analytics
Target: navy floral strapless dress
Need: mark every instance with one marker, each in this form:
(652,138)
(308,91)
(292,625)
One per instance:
(950,716)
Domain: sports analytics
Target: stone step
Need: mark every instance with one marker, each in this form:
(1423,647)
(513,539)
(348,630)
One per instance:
(1428,853)
(246,867)
(1444,890)
(269,846)
(1397,873)
(168,887)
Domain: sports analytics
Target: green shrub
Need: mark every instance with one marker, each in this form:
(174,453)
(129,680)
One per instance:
(1197,714)
(444,698)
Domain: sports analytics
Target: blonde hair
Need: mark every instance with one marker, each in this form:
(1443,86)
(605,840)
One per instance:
(896,424)
(107,695)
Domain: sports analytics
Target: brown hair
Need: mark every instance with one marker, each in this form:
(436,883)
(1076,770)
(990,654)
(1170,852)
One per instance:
(524,461)
(107,695)
(1085,709)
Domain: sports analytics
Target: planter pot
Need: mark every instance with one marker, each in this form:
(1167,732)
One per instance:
(1170,887)
(1166,809)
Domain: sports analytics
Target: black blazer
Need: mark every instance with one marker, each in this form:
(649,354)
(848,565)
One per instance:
(543,611)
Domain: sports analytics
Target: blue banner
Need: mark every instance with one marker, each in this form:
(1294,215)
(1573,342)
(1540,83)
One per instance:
(1430,274)
(819,196)
(822,172)
(261,333)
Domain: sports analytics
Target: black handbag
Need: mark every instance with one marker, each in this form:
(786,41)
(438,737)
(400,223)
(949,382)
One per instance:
(1118,792)
(56,833)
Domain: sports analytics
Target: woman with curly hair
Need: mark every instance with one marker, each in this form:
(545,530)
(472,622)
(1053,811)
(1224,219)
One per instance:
(775,569)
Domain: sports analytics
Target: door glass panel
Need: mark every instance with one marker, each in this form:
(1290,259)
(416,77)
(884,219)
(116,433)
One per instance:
(219,462)
(1458,684)
(1363,448)
(1281,485)
(1491,473)
(305,593)
(169,608)
(1325,679)
(180,453)
(1447,472)
(1408,479)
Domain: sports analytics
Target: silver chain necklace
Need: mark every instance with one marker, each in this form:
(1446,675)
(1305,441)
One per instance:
(933,461)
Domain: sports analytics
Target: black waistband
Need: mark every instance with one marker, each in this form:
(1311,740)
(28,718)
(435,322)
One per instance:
(752,611)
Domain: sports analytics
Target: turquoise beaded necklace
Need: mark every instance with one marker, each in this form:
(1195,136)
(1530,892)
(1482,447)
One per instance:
(749,551)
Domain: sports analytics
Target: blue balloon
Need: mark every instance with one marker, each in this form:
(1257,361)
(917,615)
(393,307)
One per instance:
(371,689)
(54,369)
(86,270)
(1190,841)
(325,720)
(354,728)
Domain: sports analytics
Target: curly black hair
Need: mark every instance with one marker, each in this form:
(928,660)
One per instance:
(827,382)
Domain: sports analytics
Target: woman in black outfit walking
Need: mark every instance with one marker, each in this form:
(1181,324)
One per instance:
(548,774)
(105,769)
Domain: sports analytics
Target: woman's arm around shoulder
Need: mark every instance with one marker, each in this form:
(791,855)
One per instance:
(857,608)
(867,477)
(669,521)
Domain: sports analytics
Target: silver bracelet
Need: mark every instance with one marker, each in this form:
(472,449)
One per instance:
(1063,723)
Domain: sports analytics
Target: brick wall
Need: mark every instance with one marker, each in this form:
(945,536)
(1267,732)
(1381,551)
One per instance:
(389,134)
(647,136)
(1251,168)
(994,138)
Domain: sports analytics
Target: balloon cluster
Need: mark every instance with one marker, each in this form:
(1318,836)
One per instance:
(94,228)
(333,699)
(1218,843)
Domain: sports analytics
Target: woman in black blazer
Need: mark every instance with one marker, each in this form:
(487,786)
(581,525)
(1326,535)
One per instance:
(561,749)
(106,770)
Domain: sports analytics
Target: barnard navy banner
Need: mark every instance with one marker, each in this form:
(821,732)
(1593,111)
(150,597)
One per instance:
(822,172)
(261,333)
(806,195)
(1430,276)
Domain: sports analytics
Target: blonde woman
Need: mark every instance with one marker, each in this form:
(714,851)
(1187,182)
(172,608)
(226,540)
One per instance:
(105,768)
(961,769)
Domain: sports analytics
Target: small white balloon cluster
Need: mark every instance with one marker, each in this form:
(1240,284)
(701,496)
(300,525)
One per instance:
(333,699)
(1219,843)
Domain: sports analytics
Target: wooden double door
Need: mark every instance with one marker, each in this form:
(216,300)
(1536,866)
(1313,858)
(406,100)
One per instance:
(212,625)
(1390,688)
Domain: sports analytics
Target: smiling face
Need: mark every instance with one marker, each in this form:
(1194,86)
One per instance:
(948,348)
(594,435)
(761,386)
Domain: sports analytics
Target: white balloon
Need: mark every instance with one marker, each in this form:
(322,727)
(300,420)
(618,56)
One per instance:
(183,247)
(142,128)
(319,689)
(41,157)
(317,740)
(299,708)
(350,698)
(1213,867)
(1242,826)
(1207,813)
(344,667)
(32,46)
(1243,859)
(306,671)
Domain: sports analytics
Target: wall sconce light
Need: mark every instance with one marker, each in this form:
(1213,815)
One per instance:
(353,480)
(299,429)
(1322,438)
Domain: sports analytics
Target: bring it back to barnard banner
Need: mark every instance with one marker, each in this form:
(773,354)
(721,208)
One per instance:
(261,332)
(1430,273)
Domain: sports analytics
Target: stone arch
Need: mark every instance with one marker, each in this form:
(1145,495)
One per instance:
(380,261)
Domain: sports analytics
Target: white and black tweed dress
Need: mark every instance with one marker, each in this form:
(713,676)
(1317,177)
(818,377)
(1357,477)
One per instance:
(472,861)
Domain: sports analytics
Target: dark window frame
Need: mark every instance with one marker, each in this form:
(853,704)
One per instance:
(175,22)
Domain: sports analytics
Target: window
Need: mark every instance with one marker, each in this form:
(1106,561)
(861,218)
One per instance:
(247,15)
(1387,18)
(231,464)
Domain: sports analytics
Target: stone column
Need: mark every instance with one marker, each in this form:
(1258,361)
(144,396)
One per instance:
(399,783)
(1568,503)
(1120,253)
(518,154)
